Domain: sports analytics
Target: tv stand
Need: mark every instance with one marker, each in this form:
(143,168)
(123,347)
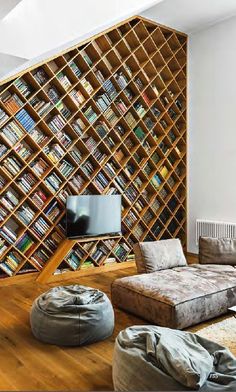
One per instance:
(63,249)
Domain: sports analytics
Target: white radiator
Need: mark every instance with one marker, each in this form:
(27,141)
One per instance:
(205,228)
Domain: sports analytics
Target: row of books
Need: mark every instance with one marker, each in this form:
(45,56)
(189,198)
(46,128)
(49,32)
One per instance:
(102,101)
(40,257)
(9,199)
(24,88)
(101,181)
(39,198)
(130,219)
(11,102)
(7,233)
(148,217)
(110,116)
(26,182)
(121,250)
(40,76)
(77,97)
(40,105)
(54,152)
(11,262)
(53,241)
(25,214)
(39,166)
(74,258)
(3,116)
(76,154)
(87,85)
(53,182)
(38,136)
(40,227)
(11,133)
(3,150)
(3,247)
(64,80)
(11,165)
(63,109)
(76,182)
(23,150)
(25,244)
(90,114)
(25,119)
(65,168)
(138,231)
(3,214)
(52,210)
(78,126)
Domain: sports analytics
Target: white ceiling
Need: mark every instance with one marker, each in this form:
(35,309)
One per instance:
(191,15)
(34,30)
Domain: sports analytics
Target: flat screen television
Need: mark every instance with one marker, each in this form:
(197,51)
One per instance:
(93,215)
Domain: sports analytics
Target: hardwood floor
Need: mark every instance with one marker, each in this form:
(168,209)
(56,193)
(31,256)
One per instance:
(26,364)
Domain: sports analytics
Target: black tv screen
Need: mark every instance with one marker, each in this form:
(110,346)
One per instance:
(92,216)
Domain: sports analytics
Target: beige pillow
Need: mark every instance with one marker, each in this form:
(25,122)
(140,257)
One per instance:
(158,255)
(217,250)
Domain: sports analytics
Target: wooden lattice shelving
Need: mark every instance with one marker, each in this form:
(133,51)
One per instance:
(105,117)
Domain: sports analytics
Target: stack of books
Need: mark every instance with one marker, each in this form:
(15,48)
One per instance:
(11,263)
(3,150)
(25,119)
(141,111)
(129,94)
(63,194)
(155,111)
(3,247)
(53,94)
(121,106)
(23,150)
(53,182)
(25,244)
(76,182)
(65,168)
(121,80)
(56,123)
(130,219)
(78,126)
(42,107)
(87,85)
(121,251)
(63,79)
(102,101)
(99,254)
(74,258)
(52,210)
(90,114)
(39,166)
(12,102)
(110,89)
(101,181)
(138,231)
(76,154)
(7,233)
(11,133)
(39,198)
(155,205)
(101,129)
(131,193)
(38,136)
(23,87)
(25,214)
(77,97)
(26,182)
(75,68)
(129,118)
(54,152)
(41,76)
(11,165)
(156,181)
(2,182)
(3,116)
(40,257)
(111,116)
(63,109)
(40,227)
(53,241)
(9,200)
(90,143)
(156,228)
(148,216)
(88,168)
(3,214)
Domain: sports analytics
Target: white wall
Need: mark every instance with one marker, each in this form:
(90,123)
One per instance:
(212,126)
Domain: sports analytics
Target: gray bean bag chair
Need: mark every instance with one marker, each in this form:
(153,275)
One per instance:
(150,358)
(72,316)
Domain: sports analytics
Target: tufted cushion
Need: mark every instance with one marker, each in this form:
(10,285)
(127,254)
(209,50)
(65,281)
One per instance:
(159,255)
(217,250)
(72,316)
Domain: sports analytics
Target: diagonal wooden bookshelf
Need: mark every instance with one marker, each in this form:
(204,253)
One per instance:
(106,117)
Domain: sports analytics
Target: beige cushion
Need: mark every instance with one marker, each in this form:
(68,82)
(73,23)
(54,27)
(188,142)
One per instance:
(159,255)
(217,250)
